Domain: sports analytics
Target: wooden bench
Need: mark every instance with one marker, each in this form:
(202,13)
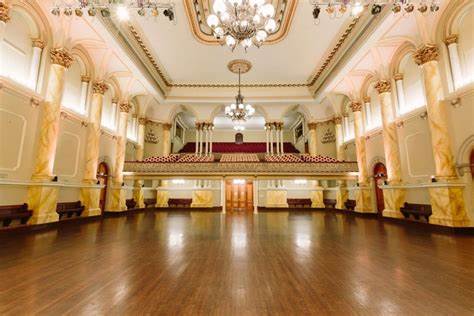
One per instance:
(69,209)
(8,213)
(350,205)
(130,204)
(149,202)
(416,210)
(182,203)
(299,203)
(329,203)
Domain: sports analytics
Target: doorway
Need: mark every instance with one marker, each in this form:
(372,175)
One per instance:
(102,178)
(380,175)
(239,196)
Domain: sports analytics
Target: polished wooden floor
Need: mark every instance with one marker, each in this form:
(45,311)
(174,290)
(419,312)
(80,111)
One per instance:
(212,264)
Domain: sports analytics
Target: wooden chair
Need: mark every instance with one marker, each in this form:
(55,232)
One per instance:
(8,213)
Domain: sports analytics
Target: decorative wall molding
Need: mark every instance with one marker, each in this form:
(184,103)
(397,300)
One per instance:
(75,155)
(22,141)
(407,154)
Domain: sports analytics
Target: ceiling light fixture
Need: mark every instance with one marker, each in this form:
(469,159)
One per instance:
(244,22)
(337,8)
(239,111)
(122,9)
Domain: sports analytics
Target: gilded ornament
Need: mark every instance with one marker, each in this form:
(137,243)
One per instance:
(428,52)
(366,99)
(241,65)
(99,87)
(356,106)
(451,39)
(142,120)
(61,56)
(38,42)
(383,86)
(125,107)
(85,79)
(398,76)
(312,125)
(338,120)
(166,126)
(4,12)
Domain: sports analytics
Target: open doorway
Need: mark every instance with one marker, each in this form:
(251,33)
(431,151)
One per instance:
(239,196)
(380,175)
(102,178)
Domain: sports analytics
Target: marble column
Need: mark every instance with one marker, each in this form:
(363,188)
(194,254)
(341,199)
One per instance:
(166,139)
(363,193)
(341,194)
(90,197)
(368,111)
(317,195)
(42,199)
(211,131)
(117,193)
(447,201)
(255,195)
(138,184)
(200,138)
(452,44)
(38,46)
(84,91)
(206,128)
(282,151)
(400,91)
(313,138)
(197,138)
(271,137)
(277,138)
(162,195)
(393,198)
(267,138)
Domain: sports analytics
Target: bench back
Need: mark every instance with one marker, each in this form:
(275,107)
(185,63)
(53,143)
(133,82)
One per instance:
(68,205)
(12,209)
(418,207)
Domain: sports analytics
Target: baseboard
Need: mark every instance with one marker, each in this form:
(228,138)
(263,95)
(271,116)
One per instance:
(52,225)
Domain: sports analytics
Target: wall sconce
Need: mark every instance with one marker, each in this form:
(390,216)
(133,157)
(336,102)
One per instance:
(455,103)
(433,179)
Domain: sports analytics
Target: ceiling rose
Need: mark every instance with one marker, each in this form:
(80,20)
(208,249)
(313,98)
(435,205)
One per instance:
(244,22)
(241,65)
(239,111)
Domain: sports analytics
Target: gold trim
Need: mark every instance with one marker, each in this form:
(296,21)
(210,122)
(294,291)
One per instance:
(313,80)
(239,65)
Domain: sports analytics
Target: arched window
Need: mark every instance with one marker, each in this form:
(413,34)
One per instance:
(372,109)
(17,48)
(412,85)
(109,110)
(466,46)
(75,90)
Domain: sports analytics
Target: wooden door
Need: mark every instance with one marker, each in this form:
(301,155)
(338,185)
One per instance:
(380,175)
(102,177)
(239,196)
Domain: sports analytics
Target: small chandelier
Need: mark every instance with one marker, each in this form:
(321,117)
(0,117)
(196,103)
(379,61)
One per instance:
(122,9)
(242,21)
(239,111)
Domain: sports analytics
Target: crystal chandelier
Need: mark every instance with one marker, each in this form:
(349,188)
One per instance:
(242,21)
(122,9)
(239,111)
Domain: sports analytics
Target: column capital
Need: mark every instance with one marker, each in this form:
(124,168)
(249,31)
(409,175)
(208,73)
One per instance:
(85,78)
(366,99)
(61,56)
(398,76)
(142,120)
(383,86)
(426,53)
(4,12)
(356,106)
(338,120)
(312,125)
(115,100)
(166,126)
(451,39)
(99,87)
(38,42)
(125,107)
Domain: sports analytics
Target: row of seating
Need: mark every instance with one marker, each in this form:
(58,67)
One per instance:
(241,157)
(285,158)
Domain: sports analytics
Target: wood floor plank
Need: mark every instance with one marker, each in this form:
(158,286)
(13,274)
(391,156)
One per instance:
(190,263)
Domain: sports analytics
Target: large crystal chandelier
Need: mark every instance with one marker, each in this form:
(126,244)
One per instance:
(242,21)
(239,111)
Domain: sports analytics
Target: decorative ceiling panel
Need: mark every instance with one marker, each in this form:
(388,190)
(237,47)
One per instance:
(197,12)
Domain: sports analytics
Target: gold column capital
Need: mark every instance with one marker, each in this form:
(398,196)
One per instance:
(4,12)
(38,42)
(61,56)
(398,76)
(166,126)
(99,87)
(114,100)
(85,78)
(142,120)
(125,107)
(366,99)
(337,120)
(356,106)
(426,53)
(383,86)
(451,39)
(312,125)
